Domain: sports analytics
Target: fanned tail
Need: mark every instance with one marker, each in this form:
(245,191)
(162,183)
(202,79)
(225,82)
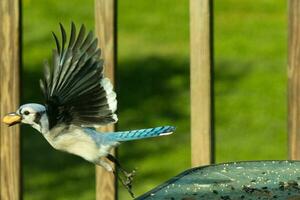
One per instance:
(140,134)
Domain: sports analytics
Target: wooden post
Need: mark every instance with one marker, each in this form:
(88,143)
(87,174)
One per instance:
(200,72)
(105,14)
(9,98)
(294,79)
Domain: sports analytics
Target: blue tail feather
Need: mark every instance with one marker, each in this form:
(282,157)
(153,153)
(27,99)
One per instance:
(140,134)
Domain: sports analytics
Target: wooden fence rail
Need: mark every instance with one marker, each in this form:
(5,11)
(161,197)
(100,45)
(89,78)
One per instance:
(105,17)
(294,77)
(200,70)
(9,97)
(201,87)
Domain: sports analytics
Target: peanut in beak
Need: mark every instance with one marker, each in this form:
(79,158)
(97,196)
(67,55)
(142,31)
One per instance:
(11,119)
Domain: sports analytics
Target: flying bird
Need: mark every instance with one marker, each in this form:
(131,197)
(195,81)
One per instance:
(79,99)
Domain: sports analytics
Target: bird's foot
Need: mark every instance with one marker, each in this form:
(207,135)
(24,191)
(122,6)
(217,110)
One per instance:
(129,176)
(127,180)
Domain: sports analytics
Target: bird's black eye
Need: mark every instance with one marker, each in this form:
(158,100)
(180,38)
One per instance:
(26,112)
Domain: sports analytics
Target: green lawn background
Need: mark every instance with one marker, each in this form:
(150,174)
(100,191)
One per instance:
(250,45)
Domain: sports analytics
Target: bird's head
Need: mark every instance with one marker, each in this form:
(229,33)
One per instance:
(32,114)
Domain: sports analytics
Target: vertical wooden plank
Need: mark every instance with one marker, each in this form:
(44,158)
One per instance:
(200,75)
(9,98)
(294,79)
(105,16)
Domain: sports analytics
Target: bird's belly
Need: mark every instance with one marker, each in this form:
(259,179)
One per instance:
(76,143)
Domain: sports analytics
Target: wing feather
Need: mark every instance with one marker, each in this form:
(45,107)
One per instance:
(64,36)
(74,87)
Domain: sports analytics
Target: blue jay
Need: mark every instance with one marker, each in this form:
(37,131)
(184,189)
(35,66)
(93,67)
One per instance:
(78,99)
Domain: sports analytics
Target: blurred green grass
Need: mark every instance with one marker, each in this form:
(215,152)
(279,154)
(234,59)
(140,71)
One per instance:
(153,88)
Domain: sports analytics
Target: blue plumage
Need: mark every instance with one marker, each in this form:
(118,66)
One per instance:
(139,134)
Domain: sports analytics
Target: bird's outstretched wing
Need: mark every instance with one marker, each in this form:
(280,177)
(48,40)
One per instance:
(74,87)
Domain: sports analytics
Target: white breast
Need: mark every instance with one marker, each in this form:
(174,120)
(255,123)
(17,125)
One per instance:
(74,141)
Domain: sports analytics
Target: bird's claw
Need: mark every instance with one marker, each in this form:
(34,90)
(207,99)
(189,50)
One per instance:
(129,176)
(127,181)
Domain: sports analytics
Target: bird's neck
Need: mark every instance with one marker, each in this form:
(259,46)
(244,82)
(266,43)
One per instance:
(43,125)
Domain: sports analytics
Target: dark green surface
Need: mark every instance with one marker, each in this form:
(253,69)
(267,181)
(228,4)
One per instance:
(241,180)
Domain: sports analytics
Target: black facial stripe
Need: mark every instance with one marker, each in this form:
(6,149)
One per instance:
(37,118)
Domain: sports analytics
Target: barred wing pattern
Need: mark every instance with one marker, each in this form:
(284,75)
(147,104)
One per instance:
(74,87)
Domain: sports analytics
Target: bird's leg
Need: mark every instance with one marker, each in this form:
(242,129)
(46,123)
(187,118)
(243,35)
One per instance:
(126,183)
(105,165)
(129,176)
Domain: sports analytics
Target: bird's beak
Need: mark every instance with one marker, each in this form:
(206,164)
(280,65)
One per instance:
(11,119)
